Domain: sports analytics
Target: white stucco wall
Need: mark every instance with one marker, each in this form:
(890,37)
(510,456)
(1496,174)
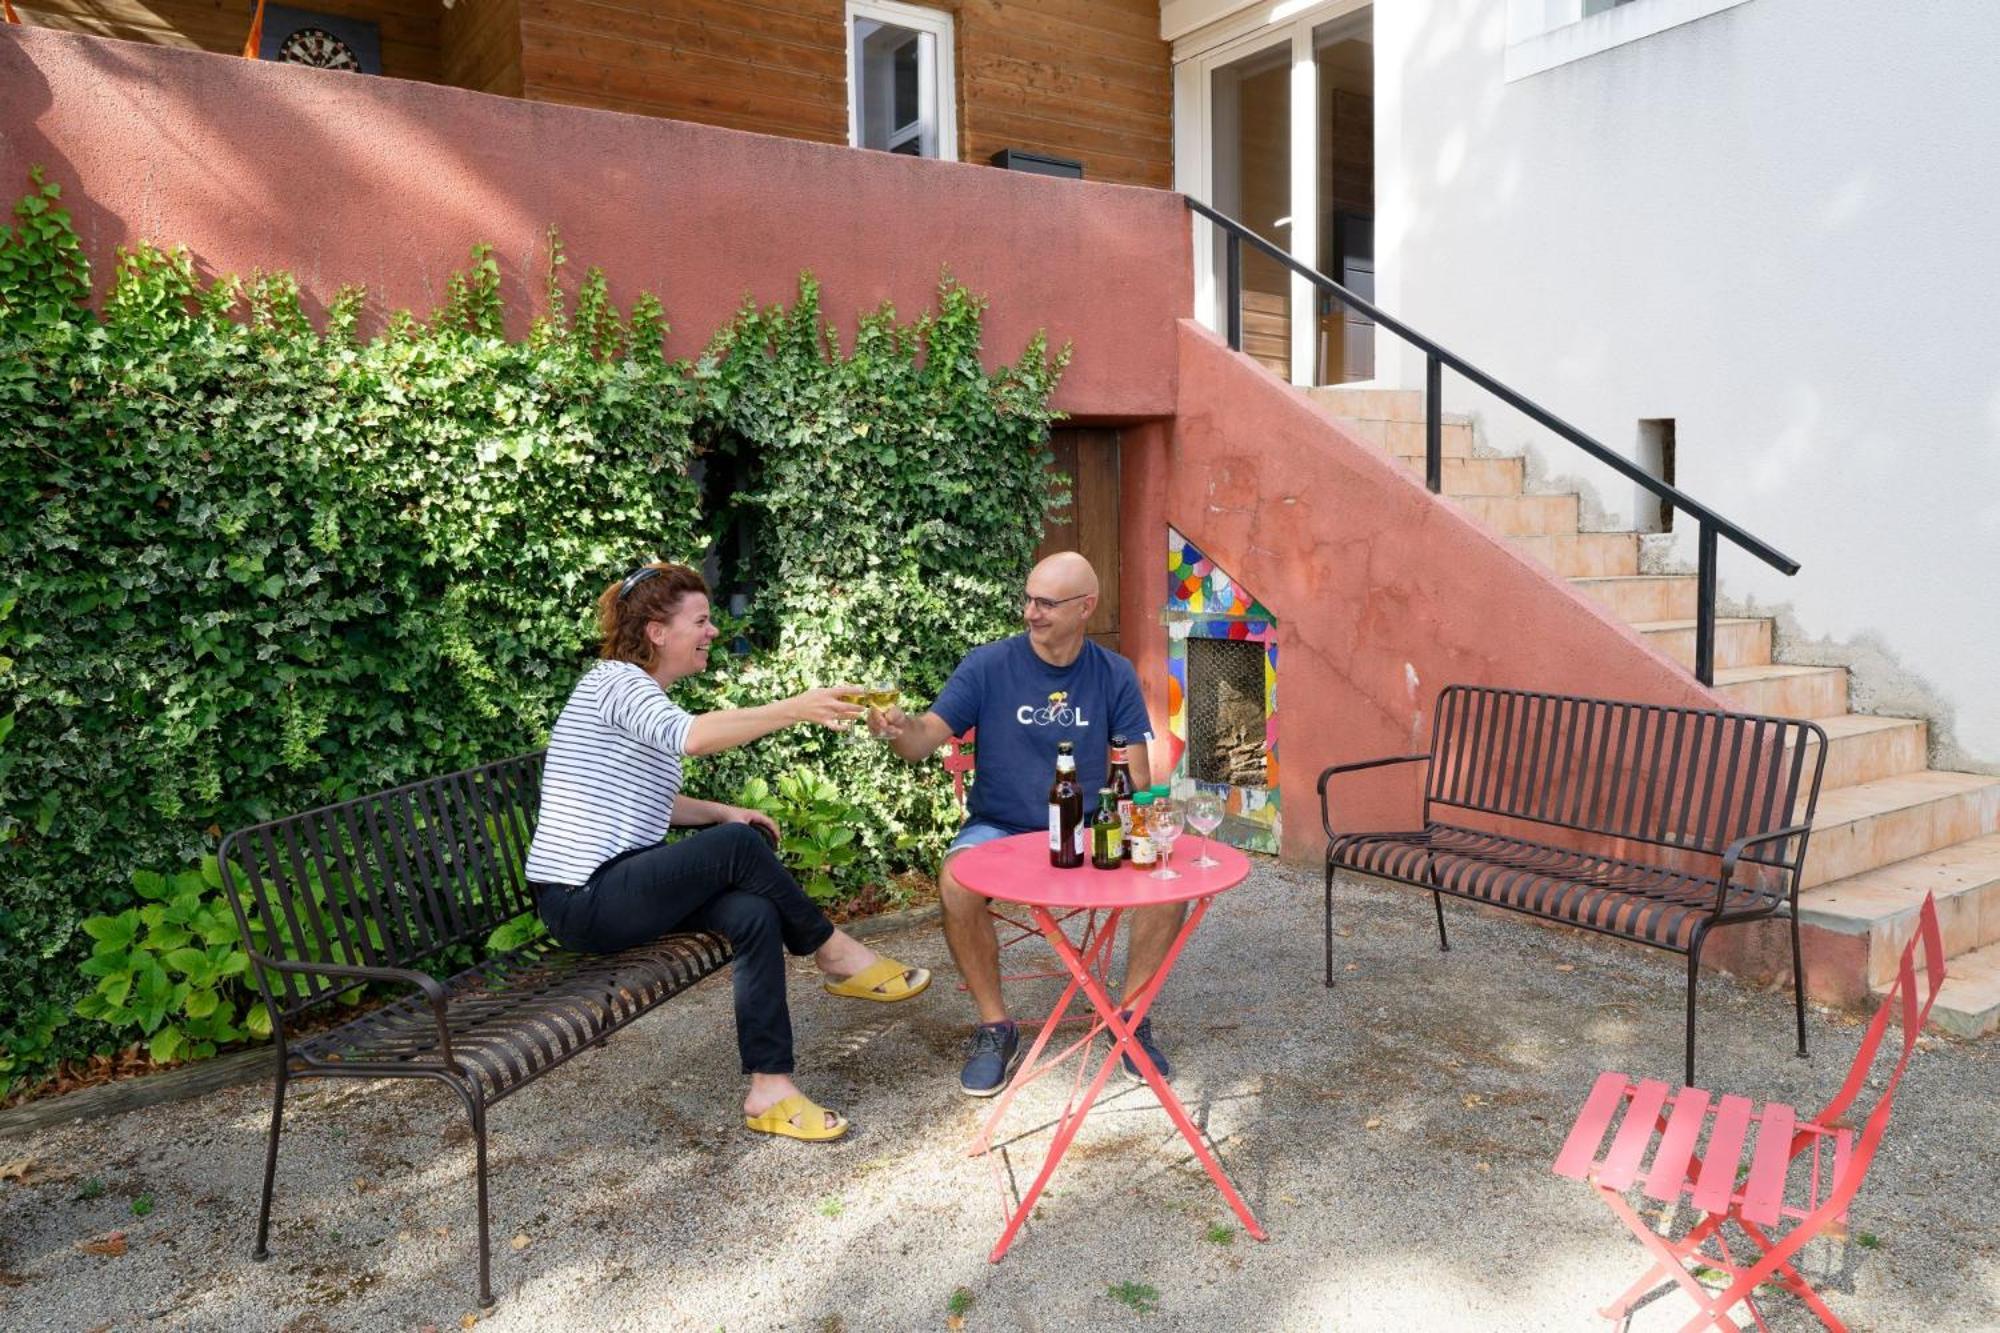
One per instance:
(1779,225)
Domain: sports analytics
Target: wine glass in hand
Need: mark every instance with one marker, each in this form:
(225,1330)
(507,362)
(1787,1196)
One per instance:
(879,699)
(1164,820)
(1204,816)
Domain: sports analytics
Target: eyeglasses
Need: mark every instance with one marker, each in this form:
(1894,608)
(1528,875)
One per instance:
(1047,604)
(635,578)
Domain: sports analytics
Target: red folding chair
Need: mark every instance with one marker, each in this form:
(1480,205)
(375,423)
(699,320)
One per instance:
(1785,1151)
(1013,926)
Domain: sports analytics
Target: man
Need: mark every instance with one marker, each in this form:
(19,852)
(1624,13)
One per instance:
(1009,690)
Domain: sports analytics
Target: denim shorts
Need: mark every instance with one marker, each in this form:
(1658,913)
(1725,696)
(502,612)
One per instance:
(975,832)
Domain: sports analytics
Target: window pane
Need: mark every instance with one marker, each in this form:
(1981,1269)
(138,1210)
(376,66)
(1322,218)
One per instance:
(1251,101)
(906,83)
(1344,234)
(895,102)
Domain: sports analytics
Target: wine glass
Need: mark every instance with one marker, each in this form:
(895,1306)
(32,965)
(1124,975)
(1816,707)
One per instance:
(1164,820)
(880,696)
(1204,816)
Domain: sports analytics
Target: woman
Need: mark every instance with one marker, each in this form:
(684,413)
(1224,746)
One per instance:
(604,881)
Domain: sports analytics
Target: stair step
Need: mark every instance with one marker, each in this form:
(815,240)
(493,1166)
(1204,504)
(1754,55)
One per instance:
(1405,439)
(1874,824)
(1968,1004)
(1862,748)
(1738,642)
(1523,515)
(1882,904)
(1476,476)
(1402,405)
(1784,691)
(1584,554)
(1636,597)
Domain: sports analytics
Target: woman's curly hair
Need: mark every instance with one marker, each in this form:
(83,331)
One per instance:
(650,592)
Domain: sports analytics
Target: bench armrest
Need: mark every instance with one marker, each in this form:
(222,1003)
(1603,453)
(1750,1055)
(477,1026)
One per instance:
(1326,811)
(1734,853)
(421,981)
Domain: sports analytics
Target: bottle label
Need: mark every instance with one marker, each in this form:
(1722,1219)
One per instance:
(1082,839)
(1055,827)
(1125,818)
(1142,851)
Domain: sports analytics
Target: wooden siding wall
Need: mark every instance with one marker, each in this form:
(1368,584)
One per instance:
(1086,79)
(409,31)
(480,43)
(773,66)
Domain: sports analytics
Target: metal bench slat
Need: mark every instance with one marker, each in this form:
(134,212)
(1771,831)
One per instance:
(1642,1117)
(1579,1150)
(1770,1160)
(1725,1149)
(1670,1160)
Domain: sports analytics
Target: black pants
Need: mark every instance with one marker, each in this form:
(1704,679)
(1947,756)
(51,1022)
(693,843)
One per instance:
(724,879)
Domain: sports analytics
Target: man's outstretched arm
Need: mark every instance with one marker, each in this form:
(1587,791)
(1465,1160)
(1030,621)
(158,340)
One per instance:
(914,739)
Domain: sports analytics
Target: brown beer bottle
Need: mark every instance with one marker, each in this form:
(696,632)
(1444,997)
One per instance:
(1120,782)
(1107,835)
(1066,827)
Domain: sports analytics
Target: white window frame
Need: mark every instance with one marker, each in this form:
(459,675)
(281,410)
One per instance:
(1543,34)
(937,78)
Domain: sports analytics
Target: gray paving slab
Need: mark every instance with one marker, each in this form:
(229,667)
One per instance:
(1394,1134)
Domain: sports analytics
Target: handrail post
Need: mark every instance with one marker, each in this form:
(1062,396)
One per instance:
(1704,610)
(1434,424)
(1235,292)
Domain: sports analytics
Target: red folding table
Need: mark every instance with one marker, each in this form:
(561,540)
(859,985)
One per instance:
(1017,870)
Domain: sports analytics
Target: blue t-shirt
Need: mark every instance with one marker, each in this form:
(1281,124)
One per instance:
(1023,707)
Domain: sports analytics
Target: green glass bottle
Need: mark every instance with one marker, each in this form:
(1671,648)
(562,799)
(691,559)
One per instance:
(1107,833)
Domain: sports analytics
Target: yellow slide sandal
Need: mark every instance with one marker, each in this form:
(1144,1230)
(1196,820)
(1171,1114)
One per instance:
(884,980)
(778,1120)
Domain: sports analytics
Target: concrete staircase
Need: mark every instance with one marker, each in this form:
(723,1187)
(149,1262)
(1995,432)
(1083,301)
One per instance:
(1889,828)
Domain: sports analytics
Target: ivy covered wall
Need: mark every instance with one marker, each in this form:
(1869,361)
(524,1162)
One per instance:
(248,564)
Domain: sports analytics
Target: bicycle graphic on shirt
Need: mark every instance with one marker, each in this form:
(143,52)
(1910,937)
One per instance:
(1058,712)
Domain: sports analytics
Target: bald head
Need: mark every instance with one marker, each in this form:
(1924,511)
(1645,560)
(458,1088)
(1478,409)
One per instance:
(1064,574)
(1062,593)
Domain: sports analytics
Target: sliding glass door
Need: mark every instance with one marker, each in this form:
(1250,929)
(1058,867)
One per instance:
(1282,118)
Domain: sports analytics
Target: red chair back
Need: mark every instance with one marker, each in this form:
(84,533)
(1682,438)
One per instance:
(958,761)
(1909,999)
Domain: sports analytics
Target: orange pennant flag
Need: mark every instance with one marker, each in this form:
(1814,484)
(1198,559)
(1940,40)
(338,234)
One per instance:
(7,9)
(256,37)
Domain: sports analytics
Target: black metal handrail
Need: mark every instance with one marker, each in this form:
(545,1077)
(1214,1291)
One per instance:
(1711,524)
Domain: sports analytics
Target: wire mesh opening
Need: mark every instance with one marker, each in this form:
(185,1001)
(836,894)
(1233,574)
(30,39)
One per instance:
(1225,711)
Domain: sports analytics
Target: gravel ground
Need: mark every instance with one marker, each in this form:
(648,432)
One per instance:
(1394,1135)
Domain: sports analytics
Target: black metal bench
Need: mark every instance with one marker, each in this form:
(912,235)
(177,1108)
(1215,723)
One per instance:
(396,887)
(1677,820)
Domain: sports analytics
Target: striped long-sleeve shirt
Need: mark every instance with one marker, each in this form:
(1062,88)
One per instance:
(612,773)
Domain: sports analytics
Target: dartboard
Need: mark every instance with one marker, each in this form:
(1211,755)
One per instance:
(320,49)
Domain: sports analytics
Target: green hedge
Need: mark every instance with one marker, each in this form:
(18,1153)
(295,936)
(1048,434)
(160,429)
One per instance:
(247,564)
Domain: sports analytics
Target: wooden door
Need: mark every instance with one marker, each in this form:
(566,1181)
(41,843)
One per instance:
(1089,523)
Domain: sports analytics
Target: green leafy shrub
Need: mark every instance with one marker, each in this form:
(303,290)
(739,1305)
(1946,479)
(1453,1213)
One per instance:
(817,829)
(173,968)
(249,565)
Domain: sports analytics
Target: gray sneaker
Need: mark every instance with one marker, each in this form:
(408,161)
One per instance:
(990,1057)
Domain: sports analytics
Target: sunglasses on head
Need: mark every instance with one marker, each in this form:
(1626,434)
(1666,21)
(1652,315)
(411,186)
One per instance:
(635,578)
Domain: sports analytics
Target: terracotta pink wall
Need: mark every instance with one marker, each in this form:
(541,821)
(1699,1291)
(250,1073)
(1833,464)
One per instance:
(1383,594)
(387,183)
